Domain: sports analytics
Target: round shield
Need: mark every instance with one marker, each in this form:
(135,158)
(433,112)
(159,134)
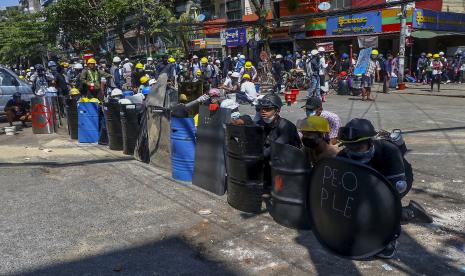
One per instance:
(355,212)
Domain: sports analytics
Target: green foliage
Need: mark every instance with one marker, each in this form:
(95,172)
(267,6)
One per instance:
(21,36)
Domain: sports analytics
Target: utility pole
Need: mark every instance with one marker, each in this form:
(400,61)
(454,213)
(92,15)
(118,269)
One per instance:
(403,33)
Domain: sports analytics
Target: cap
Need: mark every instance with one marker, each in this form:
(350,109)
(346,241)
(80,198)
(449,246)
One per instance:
(313,103)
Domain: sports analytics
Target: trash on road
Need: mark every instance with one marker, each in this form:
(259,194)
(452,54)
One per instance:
(387,267)
(205,212)
(457,181)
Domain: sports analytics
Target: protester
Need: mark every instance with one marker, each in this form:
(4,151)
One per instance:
(315,140)
(17,109)
(371,74)
(314,107)
(436,72)
(248,91)
(313,69)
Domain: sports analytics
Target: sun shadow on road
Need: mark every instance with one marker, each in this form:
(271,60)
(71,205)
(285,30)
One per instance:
(67,164)
(172,256)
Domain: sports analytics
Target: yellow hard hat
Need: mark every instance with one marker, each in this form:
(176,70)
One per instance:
(28,70)
(246,76)
(436,56)
(94,100)
(315,124)
(139,66)
(65,65)
(75,91)
(21,77)
(171,60)
(429,55)
(248,65)
(204,60)
(183,98)
(84,100)
(144,79)
(91,61)
(198,72)
(374,52)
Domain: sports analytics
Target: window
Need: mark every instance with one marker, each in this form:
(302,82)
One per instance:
(6,79)
(340,4)
(235,15)
(233,5)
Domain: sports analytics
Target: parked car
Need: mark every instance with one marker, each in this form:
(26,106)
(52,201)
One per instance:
(10,84)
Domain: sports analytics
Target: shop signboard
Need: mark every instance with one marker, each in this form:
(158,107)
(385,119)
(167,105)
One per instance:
(328,46)
(355,24)
(236,37)
(438,21)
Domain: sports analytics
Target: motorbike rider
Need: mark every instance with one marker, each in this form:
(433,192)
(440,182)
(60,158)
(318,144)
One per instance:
(315,140)
(314,107)
(41,80)
(313,70)
(358,137)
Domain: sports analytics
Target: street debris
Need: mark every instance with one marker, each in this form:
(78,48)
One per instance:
(205,212)
(387,267)
(47,150)
(457,181)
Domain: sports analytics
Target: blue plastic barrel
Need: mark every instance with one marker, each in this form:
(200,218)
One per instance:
(88,119)
(128,93)
(182,148)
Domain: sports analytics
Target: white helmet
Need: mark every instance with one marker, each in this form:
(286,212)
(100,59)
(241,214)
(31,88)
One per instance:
(78,66)
(314,52)
(116,92)
(126,59)
(441,53)
(242,56)
(235,58)
(321,49)
(217,61)
(279,56)
(194,56)
(152,81)
(116,60)
(32,68)
(149,59)
(235,75)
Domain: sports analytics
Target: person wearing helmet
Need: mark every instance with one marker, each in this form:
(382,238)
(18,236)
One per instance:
(445,68)
(240,63)
(150,68)
(116,72)
(313,70)
(315,140)
(207,70)
(144,87)
(41,80)
(17,109)
(324,64)
(128,68)
(437,69)
(91,79)
(250,70)
(194,66)
(314,107)
(278,71)
(75,75)
(75,94)
(455,66)
(370,75)
(429,69)
(344,63)
(421,68)
(248,91)
(137,74)
(276,129)
(360,145)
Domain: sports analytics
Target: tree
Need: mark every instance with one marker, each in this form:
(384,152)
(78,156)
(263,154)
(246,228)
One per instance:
(22,37)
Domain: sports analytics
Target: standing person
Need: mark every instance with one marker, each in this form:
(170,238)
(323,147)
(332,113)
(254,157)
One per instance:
(456,66)
(249,69)
(322,70)
(437,69)
(41,80)
(240,63)
(227,65)
(445,68)
(313,69)
(429,69)
(116,80)
(149,67)
(370,75)
(17,110)
(278,69)
(136,75)
(127,72)
(194,66)
(90,79)
(387,65)
(421,68)
(207,70)
(218,73)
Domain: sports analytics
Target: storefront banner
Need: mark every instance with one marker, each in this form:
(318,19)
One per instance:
(236,37)
(361,23)
(438,21)
(362,61)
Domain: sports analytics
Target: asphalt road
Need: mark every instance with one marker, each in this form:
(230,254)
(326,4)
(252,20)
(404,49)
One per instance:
(69,209)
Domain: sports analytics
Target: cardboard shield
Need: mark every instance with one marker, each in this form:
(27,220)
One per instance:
(245,166)
(355,211)
(290,174)
(209,167)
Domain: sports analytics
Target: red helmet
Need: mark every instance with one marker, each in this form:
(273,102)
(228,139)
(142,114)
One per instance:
(343,74)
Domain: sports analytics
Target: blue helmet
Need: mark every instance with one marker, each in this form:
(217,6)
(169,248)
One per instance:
(344,56)
(146,90)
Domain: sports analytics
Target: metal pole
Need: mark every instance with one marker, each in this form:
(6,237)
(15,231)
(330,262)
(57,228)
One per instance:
(403,31)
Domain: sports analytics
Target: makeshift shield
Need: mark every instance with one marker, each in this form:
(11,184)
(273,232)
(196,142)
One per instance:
(355,211)
(209,167)
(290,174)
(192,90)
(245,163)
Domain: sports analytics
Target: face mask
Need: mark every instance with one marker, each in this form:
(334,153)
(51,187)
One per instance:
(311,113)
(213,107)
(310,142)
(363,157)
(268,120)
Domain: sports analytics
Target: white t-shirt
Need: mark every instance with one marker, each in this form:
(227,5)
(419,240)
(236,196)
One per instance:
(248,88)
(228,82)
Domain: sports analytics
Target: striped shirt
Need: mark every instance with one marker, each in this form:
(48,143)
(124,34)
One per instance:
(373,66)
(334,123)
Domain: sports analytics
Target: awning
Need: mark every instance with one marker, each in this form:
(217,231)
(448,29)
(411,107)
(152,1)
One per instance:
(433,34)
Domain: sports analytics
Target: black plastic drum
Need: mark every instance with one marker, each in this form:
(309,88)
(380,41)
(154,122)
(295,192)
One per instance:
(113,122)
